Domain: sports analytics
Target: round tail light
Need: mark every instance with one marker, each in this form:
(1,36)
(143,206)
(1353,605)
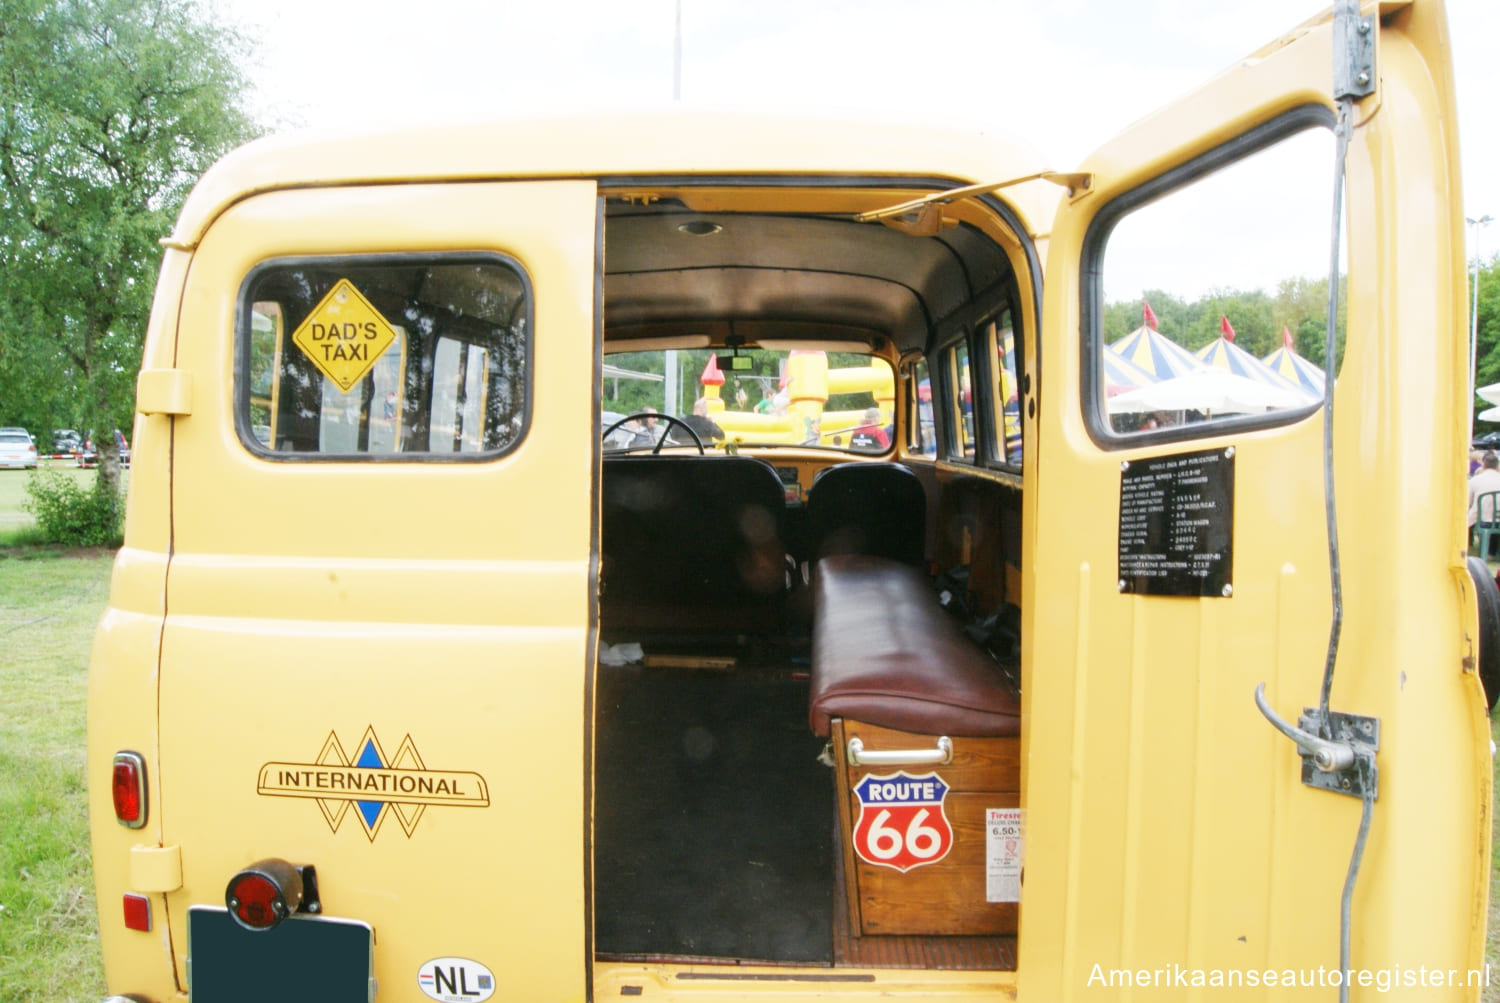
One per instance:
(264,894)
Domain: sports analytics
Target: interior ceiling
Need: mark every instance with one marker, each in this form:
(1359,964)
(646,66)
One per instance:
(823,277)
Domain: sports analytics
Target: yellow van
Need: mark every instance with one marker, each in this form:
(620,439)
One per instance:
(697,557)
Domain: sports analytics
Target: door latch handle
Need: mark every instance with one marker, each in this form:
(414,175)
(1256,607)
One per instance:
(1327,756)
(1344,764)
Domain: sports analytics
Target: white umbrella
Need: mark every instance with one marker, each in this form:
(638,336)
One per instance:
(1490,393)
(1211,390)
(1490,414)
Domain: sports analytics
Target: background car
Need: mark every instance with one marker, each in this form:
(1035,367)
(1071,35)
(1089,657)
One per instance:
(89,456)
(65,440)
(620,437)
(17,449)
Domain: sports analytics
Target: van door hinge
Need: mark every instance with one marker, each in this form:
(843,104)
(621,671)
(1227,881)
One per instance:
(1354,53)
(164,391)
(1344,762)
(156,868)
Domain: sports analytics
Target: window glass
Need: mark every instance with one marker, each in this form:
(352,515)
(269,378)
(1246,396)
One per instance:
(921,432)
(1215,294)
(265,369)
(750,396)
(384,357)
(960,405)
(1000,341)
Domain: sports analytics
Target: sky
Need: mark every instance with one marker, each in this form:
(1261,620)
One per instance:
(1063,75)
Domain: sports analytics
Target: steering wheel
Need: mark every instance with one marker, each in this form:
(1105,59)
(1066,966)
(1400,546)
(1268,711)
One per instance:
(663,441)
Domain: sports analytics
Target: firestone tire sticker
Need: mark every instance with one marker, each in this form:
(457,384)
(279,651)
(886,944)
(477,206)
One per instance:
(901,821)
(456,980)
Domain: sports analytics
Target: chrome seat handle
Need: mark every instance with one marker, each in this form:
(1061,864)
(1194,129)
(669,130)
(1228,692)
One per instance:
(860,756)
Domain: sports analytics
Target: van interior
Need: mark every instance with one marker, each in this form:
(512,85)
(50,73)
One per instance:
(772,594)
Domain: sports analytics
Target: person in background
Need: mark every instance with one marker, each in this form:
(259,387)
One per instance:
(1474,457)
(870,434)
(1487,480)
(707,429)
(646,433)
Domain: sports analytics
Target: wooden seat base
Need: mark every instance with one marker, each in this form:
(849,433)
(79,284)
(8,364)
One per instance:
(947,897)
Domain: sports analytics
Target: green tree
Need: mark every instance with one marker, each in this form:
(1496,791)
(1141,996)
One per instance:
(1300,305)
(1487,355)
(109,112)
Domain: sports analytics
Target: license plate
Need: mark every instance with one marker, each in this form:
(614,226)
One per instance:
(303,960)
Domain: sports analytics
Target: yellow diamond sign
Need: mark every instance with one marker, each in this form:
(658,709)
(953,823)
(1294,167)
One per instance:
(344,335)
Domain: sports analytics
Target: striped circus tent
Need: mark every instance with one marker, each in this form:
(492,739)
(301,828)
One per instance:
(1286,363)
(1159,356)
(1120,374)
(1226,354)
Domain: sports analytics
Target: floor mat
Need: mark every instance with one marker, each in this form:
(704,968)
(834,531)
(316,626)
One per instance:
(713,819)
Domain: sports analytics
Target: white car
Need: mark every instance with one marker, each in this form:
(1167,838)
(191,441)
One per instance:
(17,449)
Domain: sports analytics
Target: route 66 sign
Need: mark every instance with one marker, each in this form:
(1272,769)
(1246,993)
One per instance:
(901,821)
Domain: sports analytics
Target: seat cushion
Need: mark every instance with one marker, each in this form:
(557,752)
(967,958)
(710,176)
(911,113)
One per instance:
(885,653)
(691,541)
(863,507)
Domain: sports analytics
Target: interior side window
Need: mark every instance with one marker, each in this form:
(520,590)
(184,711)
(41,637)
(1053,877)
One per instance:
(384,356)
(1211,306)
(339,422)
(921,429)
(264,376)
(1000,342)
(960,401)
(458,388)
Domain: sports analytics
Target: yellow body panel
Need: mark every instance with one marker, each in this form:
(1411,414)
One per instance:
(1217,856)
(270,620)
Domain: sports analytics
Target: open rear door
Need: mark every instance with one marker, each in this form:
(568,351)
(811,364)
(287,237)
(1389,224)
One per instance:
(1179,552)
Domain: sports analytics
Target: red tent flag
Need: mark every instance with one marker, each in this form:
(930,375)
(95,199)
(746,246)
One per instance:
(1286,337)
(1147,316)
(1225,328)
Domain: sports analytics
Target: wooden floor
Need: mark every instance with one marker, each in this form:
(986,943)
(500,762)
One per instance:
(942,953)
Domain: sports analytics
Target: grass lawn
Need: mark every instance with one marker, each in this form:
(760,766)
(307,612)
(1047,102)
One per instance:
(12,495)
(49,946)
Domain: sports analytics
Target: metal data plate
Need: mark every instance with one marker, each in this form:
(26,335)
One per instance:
(1176,528)
(304,959)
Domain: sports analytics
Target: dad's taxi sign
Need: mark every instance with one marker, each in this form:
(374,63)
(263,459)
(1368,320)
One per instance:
(344,335)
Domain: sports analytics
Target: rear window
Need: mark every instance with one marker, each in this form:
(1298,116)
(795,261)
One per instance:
(12,438)
(384,358)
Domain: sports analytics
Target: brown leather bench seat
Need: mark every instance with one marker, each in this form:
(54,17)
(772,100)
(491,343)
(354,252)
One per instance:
(886,653)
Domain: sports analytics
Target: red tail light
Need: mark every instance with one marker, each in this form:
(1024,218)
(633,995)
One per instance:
(264,894)
(128,786)
(137,912)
